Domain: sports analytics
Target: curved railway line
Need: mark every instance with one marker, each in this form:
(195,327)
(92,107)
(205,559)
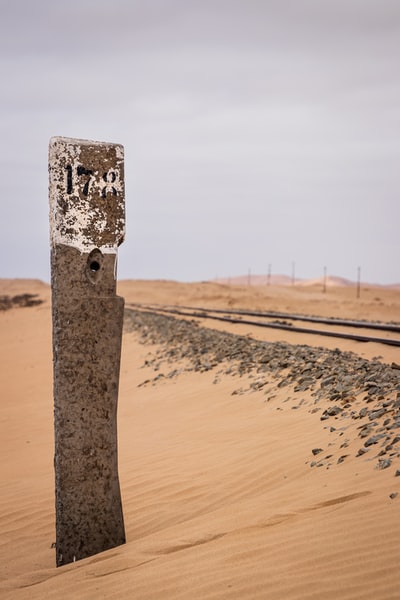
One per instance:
(286,322)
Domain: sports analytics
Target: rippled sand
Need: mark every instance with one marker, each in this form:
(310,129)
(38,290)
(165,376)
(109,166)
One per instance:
(219,497)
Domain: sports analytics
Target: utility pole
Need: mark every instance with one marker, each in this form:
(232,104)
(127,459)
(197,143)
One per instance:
(87,224)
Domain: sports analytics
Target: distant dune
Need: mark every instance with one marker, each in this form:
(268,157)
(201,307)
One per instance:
(284,280)
(255,280)
(21,286)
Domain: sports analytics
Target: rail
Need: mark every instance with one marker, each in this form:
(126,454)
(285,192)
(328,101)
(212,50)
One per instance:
(236,317)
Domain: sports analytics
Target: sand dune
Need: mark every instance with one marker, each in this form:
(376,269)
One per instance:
(374,303)
(285,280)
(220,498)
(21,286)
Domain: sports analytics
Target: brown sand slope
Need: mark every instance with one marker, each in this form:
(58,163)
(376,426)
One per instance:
(220,497)
(374,304)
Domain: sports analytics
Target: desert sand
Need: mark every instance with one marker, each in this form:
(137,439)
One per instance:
(222,497)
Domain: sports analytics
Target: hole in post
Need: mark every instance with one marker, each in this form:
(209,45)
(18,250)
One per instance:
(94,266)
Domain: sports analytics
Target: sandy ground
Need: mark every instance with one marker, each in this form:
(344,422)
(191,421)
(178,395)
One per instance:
(219,497)
(374,303)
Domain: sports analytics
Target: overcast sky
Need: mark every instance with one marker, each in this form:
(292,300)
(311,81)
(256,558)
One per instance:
(256,132)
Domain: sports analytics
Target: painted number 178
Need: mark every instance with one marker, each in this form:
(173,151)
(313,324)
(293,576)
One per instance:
(81,178)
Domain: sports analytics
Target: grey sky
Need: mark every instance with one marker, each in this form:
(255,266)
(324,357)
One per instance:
(255,132)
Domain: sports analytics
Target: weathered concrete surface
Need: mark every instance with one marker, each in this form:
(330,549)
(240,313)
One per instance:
(87,207)
(87,223)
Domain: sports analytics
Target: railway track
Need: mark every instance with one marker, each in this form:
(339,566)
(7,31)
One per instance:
(288,322)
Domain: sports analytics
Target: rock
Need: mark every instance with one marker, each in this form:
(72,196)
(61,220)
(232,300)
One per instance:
(331,412)
(365,431)
(370,384)
(362,451)
(341,458)
(376,414)
(328,380)
(372,440)
(383,463)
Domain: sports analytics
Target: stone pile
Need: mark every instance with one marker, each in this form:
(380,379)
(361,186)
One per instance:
(19,301)
(344,387)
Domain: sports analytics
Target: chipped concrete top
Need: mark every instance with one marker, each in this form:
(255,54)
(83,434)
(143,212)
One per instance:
(87,194)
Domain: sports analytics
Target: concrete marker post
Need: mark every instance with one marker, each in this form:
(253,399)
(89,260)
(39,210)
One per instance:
(87,224)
